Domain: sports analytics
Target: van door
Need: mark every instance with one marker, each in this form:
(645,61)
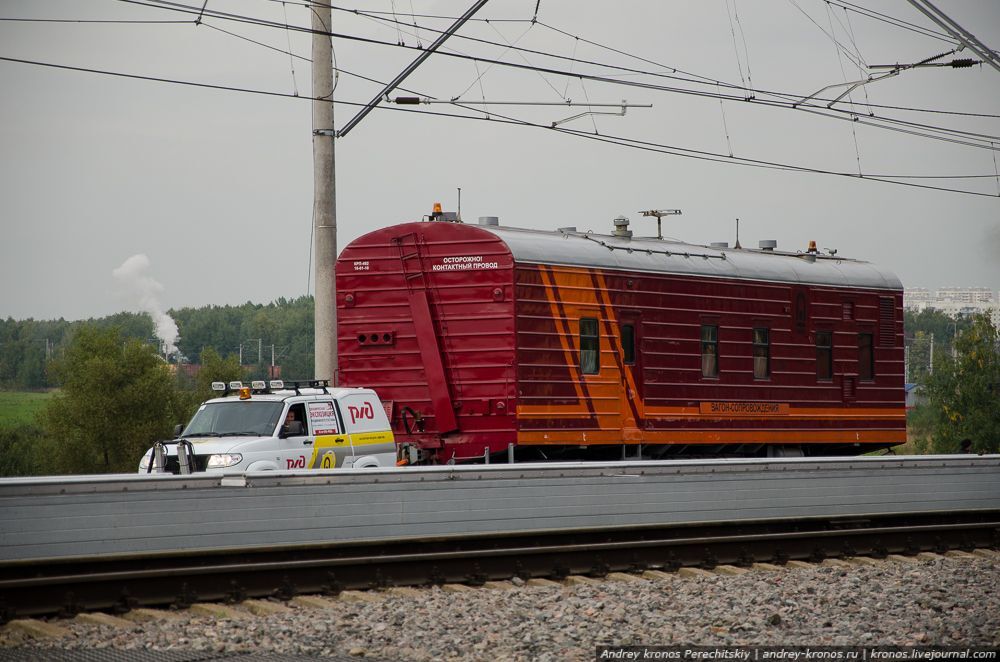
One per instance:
(330,445)
(296,446)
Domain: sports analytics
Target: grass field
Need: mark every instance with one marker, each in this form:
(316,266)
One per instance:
(19,407)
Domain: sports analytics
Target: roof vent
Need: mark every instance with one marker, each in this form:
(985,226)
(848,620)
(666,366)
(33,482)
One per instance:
(489,220)
(621,227)
(768,244)
(719,244)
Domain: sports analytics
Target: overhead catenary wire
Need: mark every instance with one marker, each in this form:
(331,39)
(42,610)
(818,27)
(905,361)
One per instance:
(797,104)
(916,129)
(937,133)
(789,96)
(891,20)
(291,59)
(840,61)
(854,43)
(830,36)
(612,137)
(105,21)
(617,140)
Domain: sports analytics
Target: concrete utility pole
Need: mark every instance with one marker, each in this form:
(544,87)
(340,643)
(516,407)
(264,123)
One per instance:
(324,196)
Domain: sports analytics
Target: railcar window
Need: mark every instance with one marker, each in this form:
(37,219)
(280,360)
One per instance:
(761,353)
(590,346)
(866,356)
(709,350)
(628,344)
(824,355)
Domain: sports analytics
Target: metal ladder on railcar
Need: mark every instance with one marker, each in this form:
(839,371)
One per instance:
(416,283)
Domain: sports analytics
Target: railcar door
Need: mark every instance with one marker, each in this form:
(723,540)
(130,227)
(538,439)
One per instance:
(631,395)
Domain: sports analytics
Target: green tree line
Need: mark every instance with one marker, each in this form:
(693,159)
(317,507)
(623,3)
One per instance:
(115,394)
(930,335)
(116,397)
(960,400)
(282,329)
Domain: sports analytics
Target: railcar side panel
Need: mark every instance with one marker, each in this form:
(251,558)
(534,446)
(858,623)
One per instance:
(763,389)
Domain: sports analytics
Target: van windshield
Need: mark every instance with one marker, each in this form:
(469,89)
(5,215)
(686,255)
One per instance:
(239,417)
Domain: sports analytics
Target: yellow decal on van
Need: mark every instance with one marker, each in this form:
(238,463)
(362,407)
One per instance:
(371,438)
(324,446)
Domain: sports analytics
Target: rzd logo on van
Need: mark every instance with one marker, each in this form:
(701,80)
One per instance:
(364,411)
(296,463)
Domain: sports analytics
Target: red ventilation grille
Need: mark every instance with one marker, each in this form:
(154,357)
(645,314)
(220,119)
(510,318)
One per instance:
(848,388)
(377,338)
(886,322)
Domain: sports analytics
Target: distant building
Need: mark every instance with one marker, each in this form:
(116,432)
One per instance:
(954,301)
(972,295)
(915,295)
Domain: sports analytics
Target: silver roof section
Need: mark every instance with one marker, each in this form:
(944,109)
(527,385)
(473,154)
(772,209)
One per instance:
(651,255)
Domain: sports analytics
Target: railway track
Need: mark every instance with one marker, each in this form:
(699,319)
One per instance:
(117,584)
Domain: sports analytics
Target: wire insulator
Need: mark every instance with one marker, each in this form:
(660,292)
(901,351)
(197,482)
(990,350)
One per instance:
(964,62)
(408,101)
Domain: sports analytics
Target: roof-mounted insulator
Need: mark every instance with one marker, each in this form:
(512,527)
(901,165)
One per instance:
(962,63)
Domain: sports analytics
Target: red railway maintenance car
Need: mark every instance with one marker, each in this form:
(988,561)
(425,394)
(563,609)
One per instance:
(483,339)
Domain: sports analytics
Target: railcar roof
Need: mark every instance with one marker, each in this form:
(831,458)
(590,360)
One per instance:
(588,249)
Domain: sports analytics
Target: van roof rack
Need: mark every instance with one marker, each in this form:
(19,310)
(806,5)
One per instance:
(297,385)
(258,386)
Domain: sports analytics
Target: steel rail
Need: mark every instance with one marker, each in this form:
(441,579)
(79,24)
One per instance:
(480,553)
(118,585)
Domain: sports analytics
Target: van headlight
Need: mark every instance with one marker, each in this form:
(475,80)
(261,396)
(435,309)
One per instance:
(224,460)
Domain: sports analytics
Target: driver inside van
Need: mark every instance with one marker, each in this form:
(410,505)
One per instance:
(293,426)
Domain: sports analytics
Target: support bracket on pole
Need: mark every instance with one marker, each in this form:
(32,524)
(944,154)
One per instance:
(384,93)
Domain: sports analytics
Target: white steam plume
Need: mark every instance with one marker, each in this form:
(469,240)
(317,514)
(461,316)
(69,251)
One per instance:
(143,290)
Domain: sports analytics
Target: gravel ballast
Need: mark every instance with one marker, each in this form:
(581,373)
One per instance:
(928,602)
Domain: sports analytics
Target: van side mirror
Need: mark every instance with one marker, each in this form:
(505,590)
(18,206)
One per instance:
(178,429)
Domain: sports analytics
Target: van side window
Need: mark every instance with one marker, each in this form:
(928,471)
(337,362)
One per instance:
(323,418)
(295,420)
(709,350)
(590,347)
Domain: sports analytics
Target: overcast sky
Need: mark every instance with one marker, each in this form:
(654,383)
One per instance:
(215,186)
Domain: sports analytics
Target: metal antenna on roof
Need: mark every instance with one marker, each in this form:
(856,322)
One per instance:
(659,214)
(737,234)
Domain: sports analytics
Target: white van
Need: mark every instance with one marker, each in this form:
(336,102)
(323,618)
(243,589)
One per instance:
(279,426)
